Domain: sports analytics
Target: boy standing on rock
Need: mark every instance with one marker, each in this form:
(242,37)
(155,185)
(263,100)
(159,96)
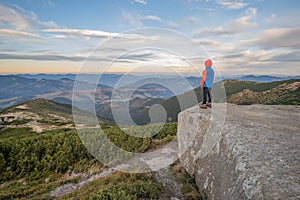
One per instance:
(207,83)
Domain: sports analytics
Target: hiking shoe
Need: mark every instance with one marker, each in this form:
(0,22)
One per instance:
(209,105)
(203,106)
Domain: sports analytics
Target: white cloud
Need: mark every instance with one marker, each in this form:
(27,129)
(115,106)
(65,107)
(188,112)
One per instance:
(244,21)
(232,4)
(263,60)
(132,18)
(278,38)
(40,57)
(21,20)
(91,33)
(9,17)
(239,25)
(138,20)
(271,18)
(152,17)
(172,24)
(141,1)
(7,32)
(287,57)
(212,43)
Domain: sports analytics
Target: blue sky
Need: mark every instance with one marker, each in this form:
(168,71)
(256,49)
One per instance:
(242,37)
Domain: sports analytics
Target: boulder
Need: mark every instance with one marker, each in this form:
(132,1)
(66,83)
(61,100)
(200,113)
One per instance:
(255,155)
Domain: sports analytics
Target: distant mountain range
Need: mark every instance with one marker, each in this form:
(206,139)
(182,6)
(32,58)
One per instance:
(111,79)
(17,89)
(265,78)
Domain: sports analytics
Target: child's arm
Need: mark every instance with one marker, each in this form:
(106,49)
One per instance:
(204,75)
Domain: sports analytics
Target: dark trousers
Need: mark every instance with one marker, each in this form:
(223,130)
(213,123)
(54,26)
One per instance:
(206,92)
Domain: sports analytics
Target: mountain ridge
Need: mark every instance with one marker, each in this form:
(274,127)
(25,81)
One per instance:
(240,92)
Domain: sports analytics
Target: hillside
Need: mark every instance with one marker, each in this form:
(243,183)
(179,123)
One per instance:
(41,109)
(42,157)
(273,93)
(285,92)
(38,115)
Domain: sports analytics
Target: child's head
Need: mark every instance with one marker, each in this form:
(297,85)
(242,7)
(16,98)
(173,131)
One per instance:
(208,63)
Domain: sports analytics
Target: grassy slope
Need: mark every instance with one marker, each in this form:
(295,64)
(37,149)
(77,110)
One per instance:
(237,92)
(279,92)
(42,107)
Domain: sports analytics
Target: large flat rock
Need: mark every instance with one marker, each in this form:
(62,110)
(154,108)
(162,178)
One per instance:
(256,155)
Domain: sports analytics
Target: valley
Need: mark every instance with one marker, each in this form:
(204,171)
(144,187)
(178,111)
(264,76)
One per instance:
(43,157)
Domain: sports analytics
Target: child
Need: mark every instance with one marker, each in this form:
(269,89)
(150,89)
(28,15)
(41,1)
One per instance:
(207,83)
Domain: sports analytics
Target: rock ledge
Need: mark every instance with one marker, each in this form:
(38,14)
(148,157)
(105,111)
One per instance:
(257,155)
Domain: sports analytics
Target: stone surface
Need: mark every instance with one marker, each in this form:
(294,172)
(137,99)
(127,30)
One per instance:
(257,155)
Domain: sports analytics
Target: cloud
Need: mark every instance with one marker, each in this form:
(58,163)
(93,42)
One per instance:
(132,18)
(287,57)
(212,43)
(138,20)
(141,1)
(278,38)
(232,4)
(131,57)
(144,56)
(7,32)
(263,60)
(91,33)
(21,20)
(271,18)
(9,17)
(244,21)
(152,17)
(52,57)
(41,57)
(238,25)
(172,24)
(238,55)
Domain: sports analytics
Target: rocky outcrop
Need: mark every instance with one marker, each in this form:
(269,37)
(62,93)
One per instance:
(254,156)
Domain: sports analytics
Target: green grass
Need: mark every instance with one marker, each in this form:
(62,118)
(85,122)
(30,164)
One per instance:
(119,185)
(29,189)
(16,133)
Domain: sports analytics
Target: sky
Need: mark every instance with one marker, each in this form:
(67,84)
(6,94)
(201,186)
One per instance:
(150,36)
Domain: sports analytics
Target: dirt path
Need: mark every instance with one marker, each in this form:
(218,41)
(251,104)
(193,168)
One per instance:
(70,187)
